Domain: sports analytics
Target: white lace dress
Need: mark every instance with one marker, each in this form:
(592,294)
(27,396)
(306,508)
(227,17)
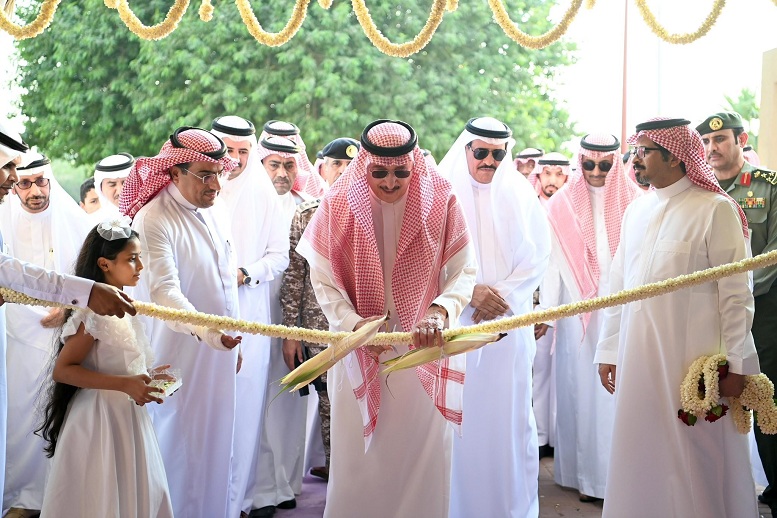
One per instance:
(107,461)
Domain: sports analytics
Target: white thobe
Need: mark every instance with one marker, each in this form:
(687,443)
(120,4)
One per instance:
(190,264)
(658,465)
(406,470)
(501,480)
(584,410)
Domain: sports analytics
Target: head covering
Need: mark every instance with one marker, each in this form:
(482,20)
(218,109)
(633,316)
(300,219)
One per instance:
(570,213)
(342,233)
(751,156)
(114,166)
(720,121)
(69,224)
(150,175)
(342,148)
(685,144)
(11,143)
(553,159)
(285,148)
(528,154)
(312,183)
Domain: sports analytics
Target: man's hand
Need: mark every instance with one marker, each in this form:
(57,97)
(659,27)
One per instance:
(292,349)
(607,376)
(428,331)
(240,277)
(540,330)
(732,385)
(488,303)
(230,342)
(108,300)
(55,318)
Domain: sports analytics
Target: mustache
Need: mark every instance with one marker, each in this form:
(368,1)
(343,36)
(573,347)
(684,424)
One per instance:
(281,180)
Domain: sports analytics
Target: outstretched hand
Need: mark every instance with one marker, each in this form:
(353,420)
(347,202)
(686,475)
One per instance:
(230,342)
(137,387)
(108,300)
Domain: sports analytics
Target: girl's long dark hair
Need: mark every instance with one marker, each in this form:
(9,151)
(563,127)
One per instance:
(59,395)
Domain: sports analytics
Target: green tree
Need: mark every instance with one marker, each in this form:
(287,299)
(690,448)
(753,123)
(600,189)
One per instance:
(93,88)
(746,105)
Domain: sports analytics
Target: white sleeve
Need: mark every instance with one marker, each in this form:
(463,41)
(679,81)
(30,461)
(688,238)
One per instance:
(276,255)
(334,303)
(550,289)
(43,284)
(457,280)
(607,348)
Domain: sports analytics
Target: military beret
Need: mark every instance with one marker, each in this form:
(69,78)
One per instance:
(720,121)
(343,148)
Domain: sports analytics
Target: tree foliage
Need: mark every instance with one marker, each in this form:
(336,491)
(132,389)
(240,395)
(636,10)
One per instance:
(746,105)
(93,88)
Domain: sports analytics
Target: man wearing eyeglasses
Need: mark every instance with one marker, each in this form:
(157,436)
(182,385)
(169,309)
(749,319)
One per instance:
(585,218)
(186,239)
(659,466)
(45,227)
(755,189)
(509,229)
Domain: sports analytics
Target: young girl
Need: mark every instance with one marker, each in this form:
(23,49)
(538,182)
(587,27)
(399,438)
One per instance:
(106,459)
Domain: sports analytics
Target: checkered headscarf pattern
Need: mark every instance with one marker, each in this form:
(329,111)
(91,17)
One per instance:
(534,176)
(571,216)
(305,180)
(150,175)
(433,231)
(685,143)
(311,181)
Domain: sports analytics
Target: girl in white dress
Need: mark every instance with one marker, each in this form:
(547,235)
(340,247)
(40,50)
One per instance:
(106,459)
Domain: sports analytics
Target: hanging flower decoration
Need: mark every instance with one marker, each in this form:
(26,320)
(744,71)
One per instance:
(153,32)
(533,42)
(35,27)
(206,11)
(269,38)
(680,39)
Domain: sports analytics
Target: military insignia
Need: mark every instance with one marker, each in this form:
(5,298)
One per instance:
(760,203)
(745,180)
(750,193)
(716,123)
(351,151)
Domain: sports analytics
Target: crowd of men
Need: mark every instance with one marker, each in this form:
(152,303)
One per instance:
(238,222)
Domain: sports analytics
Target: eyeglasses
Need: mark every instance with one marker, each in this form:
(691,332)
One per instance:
(640,150)
(590,165)
(480,153)
(207,177)
(382,173)
(25,185)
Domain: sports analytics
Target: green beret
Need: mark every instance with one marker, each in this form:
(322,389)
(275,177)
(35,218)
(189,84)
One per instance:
(720,121)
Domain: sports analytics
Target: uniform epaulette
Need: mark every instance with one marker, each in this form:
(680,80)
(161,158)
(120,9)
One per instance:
(307,205)
(766,175)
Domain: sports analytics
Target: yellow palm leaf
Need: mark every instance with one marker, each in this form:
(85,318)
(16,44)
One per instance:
(459,344)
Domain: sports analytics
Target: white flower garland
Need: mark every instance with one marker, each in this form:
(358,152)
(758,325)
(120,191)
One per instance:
(275,39)
(35,27)
(153,32)
(680,39)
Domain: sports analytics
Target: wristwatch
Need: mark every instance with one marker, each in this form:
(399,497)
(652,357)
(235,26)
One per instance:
(246,277)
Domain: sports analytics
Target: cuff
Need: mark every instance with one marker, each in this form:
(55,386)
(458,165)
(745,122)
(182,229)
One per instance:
(608,357)
(349,321)
(76,291)
(212,337)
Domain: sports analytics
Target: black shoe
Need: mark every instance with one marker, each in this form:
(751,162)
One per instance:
(288,504)
(263,512)
(546,450)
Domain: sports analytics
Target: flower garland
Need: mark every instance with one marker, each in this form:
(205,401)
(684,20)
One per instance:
(269,38)
(400,50)
(152,32)
(700,396)
(206,11)
(35,27)
(680,39)
(533,42)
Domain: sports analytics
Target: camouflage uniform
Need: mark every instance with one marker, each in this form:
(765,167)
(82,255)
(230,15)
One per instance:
(300,307)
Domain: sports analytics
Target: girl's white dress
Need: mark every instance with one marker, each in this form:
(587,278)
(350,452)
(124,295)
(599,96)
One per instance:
(107,462)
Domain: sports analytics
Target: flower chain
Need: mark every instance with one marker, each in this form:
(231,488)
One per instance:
(35,27)
(152,32)
(269,38)
(680,39)
(533,42)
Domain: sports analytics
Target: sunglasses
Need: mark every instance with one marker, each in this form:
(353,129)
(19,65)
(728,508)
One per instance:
(480,153)
(382,173)
(590,165)
(25,185)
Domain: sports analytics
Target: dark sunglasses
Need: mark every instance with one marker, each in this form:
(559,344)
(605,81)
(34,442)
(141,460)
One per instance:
(480,153)
(590,165)
(382,173)
(25,185)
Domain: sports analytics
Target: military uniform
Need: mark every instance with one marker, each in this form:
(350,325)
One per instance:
(300,307)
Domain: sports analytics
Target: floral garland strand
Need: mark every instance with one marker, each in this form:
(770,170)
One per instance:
(152,32)
(269,38)
(206,11)
(35,27)
(533,42)
(680,39)
(400,50)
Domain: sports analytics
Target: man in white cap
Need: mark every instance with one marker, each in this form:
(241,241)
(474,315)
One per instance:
(390,237)
(658,465)
(512,243)
(585,218)
(185,236)
(110,173)
(308,180)
(262,250)
(44,226)
(526,160)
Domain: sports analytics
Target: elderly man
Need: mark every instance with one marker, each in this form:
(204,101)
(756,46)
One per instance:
(312,183)
(298,300)
(90,202)
(45,227)
(512,244)
(755,189)
(526,160)
(658,465)
(262,250)
(391,238)
(186,240)
(110,173)
(585,218)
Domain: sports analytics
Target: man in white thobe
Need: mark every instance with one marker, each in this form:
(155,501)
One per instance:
(110,173)
(390,237)
(45,227)
(658,465)
(185,237)
(512,243)
(585,218)
(262,250)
